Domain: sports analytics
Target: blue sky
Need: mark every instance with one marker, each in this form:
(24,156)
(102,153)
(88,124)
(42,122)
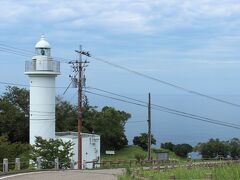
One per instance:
(194,44)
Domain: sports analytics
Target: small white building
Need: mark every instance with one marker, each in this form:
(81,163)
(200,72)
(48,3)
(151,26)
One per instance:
(90,148)
(42,71)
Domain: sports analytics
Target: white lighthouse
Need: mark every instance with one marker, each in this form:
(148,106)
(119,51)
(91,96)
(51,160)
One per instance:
(42,71)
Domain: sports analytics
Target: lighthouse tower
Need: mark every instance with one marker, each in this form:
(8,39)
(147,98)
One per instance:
(42,71)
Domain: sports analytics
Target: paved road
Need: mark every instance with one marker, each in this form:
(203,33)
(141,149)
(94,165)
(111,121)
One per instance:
(105,174)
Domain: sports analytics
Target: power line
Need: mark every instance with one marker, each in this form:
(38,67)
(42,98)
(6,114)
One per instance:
(25,53)
(236,126)
(155,105)
(24,85)
(19,49)
(12,50)
(136,121)
(165,82)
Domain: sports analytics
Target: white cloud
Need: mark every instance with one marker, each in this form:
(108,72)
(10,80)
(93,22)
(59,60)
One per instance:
(10,11)
(139,16)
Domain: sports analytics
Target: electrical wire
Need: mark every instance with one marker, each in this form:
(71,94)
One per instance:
(156,107)
(136,121)
(208,120)
(24,85)
(25,53)
(12,50)
(165,82)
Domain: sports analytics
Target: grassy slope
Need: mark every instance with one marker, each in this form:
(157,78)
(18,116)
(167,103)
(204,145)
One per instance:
(126,153)
(218,173)
(231,172)
(129,153)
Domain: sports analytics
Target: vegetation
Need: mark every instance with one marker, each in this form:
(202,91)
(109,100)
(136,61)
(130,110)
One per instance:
(179,149)
(214,148)
(182,149)
(172,155)
(14,119)
(218,173)
(127,153)
(13,150)
(132,152)
(142,141)
(108,123)
(234,147)
(14,109)
(168,145)
(51,149)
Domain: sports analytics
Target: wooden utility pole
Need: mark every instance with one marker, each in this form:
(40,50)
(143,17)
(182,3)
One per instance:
(149,127)
(79,67)
(80,109)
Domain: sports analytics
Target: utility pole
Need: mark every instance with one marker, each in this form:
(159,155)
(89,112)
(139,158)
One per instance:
(80,109)
(149,127)
(79,80)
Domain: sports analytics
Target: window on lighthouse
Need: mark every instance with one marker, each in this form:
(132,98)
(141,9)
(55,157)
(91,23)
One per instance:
(43,51)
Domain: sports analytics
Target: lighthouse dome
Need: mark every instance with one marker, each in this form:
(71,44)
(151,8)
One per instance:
(43,47)
(43,43)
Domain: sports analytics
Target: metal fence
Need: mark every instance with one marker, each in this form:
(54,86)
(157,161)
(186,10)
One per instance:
(33,66)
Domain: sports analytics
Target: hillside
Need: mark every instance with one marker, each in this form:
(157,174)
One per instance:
(129,152)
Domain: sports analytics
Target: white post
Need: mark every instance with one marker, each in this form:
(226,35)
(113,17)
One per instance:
(5,165)
(17,164)
(57,163)
(39,163)
(72,164)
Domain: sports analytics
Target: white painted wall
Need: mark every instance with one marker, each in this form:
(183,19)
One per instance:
(90,147)
(42,106)
(91,150)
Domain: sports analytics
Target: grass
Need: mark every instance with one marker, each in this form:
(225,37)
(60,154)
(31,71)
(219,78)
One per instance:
(129,152)
(126,153)
(227,172)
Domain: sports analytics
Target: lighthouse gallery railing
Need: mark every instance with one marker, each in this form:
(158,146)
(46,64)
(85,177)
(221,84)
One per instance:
(52,66)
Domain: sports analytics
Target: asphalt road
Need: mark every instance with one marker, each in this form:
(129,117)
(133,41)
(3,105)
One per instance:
(104,174)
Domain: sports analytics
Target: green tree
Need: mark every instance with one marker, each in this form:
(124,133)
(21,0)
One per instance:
(234,147)
(142,141)
(12,150)
(14,111)
(110,124)
(167,145)
(213,148)
(182,149)
(66,116)
(51,149)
